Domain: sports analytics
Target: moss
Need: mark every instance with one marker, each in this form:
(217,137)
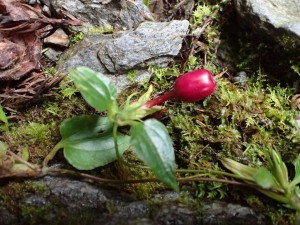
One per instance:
(141,190)
(38,131)
(105,29)
(14,192)
(76,37)
(236,122)
(50,71)
(288,42)
(34,215)
(131,75)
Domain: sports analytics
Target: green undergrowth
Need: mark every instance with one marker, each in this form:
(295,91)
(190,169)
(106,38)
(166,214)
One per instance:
(239,122)
(37,129)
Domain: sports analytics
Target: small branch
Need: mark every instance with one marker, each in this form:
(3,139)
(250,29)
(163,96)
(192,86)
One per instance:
(207,22)
(54,171)
(18,158)
(221,74)
(115,135)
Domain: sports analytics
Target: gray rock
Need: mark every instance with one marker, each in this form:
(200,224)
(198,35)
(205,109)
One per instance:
(59,38)
(52,54)
(150,44)
(218,213)
(7,218)
(277,18)
(84,53)
(68,201)
(240,78)
(105,13)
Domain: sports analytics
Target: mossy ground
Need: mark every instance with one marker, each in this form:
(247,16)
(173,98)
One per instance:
(238,121)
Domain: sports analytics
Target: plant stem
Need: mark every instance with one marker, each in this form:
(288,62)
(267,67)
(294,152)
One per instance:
(18,158)
(53,171)
(216,172)
(51,155)
(160,99)
(115,135)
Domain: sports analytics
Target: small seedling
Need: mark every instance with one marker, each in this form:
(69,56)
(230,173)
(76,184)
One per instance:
(90,141)
(273,181)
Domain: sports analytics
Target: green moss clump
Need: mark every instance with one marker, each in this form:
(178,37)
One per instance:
(235,122)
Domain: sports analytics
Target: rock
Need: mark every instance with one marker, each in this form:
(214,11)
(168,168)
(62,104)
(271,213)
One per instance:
(60,200)
(217,213)
(52,54)
(84,53)
(59,38)
(103,13)
(279,19)
(152,43)
(240,78)
(7,218)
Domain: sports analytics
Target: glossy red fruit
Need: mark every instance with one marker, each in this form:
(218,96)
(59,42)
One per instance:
(190,87)
(194,86)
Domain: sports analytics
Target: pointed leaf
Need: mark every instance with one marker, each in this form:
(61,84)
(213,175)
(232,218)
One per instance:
(135,110)
(80,127)
(245,172)
(88,142)
(297,166)
(265,179)
(90,153)
(279,169)
(97,89)
(152,144)
(296,179)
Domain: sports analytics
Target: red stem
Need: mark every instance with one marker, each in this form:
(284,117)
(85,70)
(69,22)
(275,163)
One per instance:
(160,99)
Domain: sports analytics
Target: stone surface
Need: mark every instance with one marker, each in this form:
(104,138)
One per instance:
(218,213)
(58,200)
(52,54)
(119,14)
(277,18)
(152,43)
(58,38)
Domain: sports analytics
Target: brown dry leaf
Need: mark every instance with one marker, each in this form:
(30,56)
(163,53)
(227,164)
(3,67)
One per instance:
(24,59)
(21,29)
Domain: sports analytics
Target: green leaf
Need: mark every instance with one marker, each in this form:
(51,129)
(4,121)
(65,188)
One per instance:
(97,89)
(135,110)
(279,169)
(84,126)
(296,179)
(152,144)
(3,118)
(88,142)
(245,172)
(93,152)
(265,179)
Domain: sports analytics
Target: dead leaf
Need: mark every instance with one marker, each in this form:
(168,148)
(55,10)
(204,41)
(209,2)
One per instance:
(22,28)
